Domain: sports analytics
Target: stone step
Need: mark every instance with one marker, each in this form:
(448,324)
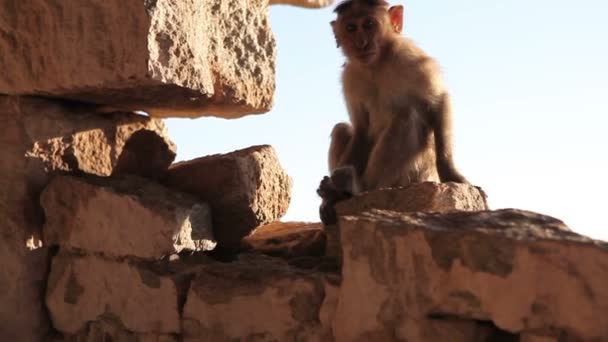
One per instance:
(167,58)
(124,216)
(505,275)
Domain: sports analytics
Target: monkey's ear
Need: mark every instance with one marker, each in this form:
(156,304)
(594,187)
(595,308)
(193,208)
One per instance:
(334,28)
(396,15)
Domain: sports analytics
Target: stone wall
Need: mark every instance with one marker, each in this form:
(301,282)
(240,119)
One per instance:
(71,76)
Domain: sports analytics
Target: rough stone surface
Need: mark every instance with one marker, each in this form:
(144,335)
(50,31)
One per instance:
(82,289)
(287,239)
(146,154)
(304,3)
(40,138)
(110,329)
(426,197)
(531,337)
(333,247)
(522,272)
(124,216)
(165,57)
(258,299)
(245,189)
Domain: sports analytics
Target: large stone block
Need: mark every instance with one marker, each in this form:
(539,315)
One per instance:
(258,299)
(287,239)
(83,289)
(524,273)
(124,216)
(165,57)
(40,138)
(425,196)
(245,189)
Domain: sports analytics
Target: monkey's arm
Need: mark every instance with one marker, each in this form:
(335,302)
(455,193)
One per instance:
(441,123)
(357,153)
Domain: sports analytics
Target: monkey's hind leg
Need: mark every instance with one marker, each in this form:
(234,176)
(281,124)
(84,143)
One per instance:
(395,153)
(341,136)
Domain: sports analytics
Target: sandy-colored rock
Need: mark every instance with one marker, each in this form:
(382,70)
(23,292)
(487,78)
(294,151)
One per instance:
(22,280)
(530,337)
(304,3)
(245,189)
(165,57)
(333,247)
(521,271)
(259,299)
(40,138)
(146,154)
(82,289)
(287,239)
(124,216)
(109,328)
(426,197)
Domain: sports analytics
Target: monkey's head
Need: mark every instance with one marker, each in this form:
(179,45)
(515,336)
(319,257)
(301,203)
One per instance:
(364,28)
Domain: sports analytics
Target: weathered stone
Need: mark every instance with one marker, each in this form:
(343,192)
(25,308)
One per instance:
(83,289)
(124,216)
(167,58)
(287,239)
(258,299)
(531,337)
(449,329)
(109,328)
(303,3)
(426,197)
(22,280)
(519,270)
(333,248)
(146,154)
(245,189)
(40,138)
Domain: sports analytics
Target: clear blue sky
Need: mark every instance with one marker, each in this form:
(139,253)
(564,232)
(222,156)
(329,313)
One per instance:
(529,81)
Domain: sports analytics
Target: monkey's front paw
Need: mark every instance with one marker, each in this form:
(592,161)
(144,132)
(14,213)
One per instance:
(331,194)
(326,188)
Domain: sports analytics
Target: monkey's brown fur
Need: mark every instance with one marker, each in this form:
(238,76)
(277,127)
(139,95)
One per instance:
(400,115)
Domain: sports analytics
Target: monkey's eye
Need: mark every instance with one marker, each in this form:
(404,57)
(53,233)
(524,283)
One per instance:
(368,23)
(350,27)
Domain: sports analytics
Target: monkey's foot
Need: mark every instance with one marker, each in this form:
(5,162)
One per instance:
(326,188)
(331,195)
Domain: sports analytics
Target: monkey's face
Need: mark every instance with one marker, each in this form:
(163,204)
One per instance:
(360,38)
(363,33)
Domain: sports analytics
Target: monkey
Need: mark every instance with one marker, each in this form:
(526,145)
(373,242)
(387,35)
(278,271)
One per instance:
(400,111)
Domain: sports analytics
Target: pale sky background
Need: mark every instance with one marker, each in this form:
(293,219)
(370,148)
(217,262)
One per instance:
(528,80)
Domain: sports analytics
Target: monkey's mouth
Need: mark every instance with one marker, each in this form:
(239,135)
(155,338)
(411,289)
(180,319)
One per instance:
(366,57)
